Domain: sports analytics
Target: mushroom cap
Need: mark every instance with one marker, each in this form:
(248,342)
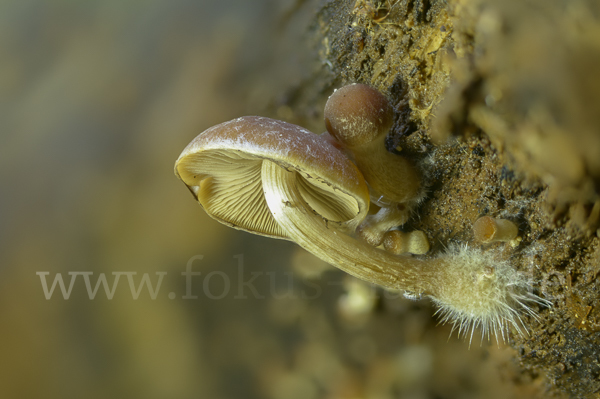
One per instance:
(222,168)
(357,114)
(484,229)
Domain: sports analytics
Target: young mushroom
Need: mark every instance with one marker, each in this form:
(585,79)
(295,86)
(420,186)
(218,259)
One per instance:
(398,242)
(374,227)
(487,229)
(279,180)
(360,117)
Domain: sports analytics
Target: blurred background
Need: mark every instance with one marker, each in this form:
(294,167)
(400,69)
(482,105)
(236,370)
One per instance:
(97,99)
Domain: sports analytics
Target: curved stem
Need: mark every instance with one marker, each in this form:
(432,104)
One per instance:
(471,288)
(311,232)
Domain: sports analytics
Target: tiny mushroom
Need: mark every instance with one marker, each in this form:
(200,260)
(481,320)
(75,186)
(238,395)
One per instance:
(360,117)
(279,180)
(488,229)
(372,230)
(399,242)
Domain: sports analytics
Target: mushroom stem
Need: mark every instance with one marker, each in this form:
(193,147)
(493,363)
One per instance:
(392,178)
(472,288)
(357,258)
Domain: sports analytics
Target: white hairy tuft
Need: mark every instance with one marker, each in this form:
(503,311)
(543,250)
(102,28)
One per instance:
(479,291)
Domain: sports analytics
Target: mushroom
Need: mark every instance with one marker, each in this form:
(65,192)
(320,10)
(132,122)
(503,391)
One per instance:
(399,242)
(488,229)
(374,227)
(279,180)
(360,117)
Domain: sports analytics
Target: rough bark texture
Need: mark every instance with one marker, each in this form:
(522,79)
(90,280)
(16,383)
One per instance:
(498,102)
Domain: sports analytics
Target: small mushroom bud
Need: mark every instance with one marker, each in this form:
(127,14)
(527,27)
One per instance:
(359,117)
(487,229)
(374,227)
(399,242)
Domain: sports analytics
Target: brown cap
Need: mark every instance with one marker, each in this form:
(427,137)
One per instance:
(357,114)
(222,168)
